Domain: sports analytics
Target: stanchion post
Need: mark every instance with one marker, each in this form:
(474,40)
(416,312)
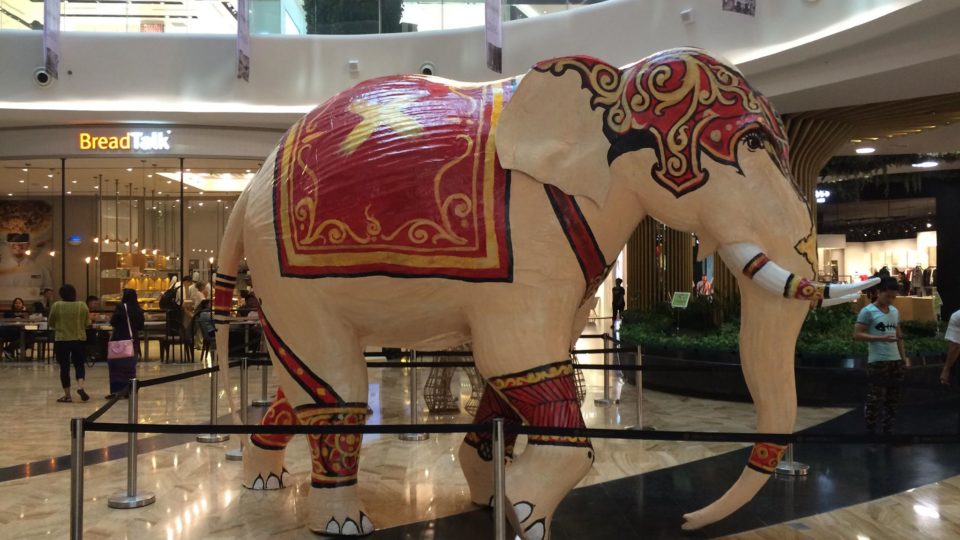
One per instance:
(638,380)
(499,481)
(237,453)
(605,401)
(414,403)
(130,498)
(789,467)
(264,400)
(76,478)
(213,437)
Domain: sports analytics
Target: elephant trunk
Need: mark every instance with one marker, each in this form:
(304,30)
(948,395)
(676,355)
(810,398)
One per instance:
(768,335)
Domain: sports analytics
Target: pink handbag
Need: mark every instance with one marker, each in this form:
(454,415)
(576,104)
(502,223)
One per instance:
(123,348)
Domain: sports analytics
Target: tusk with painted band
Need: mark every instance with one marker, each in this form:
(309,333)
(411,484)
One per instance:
(769,275)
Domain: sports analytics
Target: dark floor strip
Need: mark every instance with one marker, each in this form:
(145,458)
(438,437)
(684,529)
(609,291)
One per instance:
(108,453)
(651,505)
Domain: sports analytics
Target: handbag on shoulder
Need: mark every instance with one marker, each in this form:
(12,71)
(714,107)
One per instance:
(122,348)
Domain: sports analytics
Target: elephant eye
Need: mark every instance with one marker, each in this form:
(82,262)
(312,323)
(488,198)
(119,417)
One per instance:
(754,140)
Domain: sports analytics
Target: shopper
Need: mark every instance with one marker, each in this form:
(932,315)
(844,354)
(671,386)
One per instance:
(879,325)
(42,306)
(69,320)
(127,323)
(953,338)
(619,300)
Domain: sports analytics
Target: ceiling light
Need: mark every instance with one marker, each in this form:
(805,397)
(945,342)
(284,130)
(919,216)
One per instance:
(96,187)
(24,170)
(217,182)
(866,150)
(73,181)
(129,170)
(22,181)
(53,253)
(925,164)
(49,176)
(149,176)
(69,193)
(929,225)
(46,187)
(9,194)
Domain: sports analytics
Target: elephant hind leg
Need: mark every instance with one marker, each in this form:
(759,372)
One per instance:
(263,457)
(476,451)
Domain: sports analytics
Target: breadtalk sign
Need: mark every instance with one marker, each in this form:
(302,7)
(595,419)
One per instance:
(137,141)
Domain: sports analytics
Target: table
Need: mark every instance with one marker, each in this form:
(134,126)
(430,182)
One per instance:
(24,326)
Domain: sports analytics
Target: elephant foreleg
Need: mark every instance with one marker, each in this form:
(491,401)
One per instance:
(335,508)
(263,457)
(537,480)
(476,451)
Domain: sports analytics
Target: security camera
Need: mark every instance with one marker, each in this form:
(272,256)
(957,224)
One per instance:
(428,68)
(42,77)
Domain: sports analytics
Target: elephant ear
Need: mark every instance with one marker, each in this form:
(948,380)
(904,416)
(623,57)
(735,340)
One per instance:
(553,127)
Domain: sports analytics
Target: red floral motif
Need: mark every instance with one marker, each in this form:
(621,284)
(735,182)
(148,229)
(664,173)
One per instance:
(765,457)
(336,456)
(280,413)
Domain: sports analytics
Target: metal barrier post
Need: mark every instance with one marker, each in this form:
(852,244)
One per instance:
(499,481)
(638,380)
(414,403)
(76,479)
(130,498)
(264,400)
(789,467)
(237,453)
(213,437)
(605,401)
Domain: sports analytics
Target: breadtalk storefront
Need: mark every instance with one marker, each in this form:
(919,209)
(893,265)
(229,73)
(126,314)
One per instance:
(102,206)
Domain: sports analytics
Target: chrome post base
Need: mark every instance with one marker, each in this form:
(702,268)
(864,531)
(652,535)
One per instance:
(213,438)
(793,468)
(122,500)
(606,402)
(234,454)
(414,436)
(261,403)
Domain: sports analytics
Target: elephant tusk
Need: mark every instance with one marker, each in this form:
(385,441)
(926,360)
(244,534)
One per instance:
(828,302)
(772,277)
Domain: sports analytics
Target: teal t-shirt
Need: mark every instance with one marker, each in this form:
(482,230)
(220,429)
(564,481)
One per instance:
(879,323)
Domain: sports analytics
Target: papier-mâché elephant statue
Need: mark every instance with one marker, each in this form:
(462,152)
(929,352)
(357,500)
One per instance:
(418,212)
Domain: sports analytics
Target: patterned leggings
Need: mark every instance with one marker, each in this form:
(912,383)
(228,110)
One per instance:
(883,394)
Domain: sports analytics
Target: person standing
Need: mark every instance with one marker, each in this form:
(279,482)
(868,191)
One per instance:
(878,324)
(953,338)
(127,323)
(619,300)
(69,320)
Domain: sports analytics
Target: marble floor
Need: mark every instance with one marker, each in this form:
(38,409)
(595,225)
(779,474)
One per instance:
(199,493)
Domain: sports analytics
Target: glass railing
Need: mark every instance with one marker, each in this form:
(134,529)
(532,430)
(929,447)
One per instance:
(292,17)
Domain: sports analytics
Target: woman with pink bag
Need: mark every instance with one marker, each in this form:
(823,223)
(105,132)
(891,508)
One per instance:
(123,350)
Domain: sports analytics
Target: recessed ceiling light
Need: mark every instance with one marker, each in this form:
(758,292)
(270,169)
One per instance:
(96,187)
(129,169)
(69,193)
(925,164)
(49,176)
(9,194)
(149,176)
(866,150)
(22,181)
(46,187)
(24,170)
(74,181)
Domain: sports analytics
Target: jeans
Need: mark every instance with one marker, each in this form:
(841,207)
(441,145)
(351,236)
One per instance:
(68,352)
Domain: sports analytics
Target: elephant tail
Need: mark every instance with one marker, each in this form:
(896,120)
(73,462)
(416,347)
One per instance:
(231,253)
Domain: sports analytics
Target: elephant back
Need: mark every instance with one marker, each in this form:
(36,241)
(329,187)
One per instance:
(396,176)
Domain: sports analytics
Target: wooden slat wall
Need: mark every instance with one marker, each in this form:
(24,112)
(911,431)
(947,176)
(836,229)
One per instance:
(643,289)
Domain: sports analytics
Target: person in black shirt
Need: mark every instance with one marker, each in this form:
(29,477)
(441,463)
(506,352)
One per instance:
(619,300)
(124,369)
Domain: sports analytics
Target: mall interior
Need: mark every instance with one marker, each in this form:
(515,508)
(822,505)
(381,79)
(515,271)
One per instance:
(645,250)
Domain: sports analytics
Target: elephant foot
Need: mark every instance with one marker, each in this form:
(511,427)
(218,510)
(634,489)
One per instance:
(477,466)
(263,469)
(536,483)
(337,512)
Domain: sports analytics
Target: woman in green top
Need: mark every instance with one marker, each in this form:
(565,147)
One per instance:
(69,320)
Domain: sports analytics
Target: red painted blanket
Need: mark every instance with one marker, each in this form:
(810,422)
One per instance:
(397,176)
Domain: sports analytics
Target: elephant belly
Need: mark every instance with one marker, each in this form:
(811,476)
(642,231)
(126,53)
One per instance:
(396,177)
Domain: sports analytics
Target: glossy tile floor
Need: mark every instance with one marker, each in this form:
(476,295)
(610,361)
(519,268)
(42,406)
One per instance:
(402,483)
